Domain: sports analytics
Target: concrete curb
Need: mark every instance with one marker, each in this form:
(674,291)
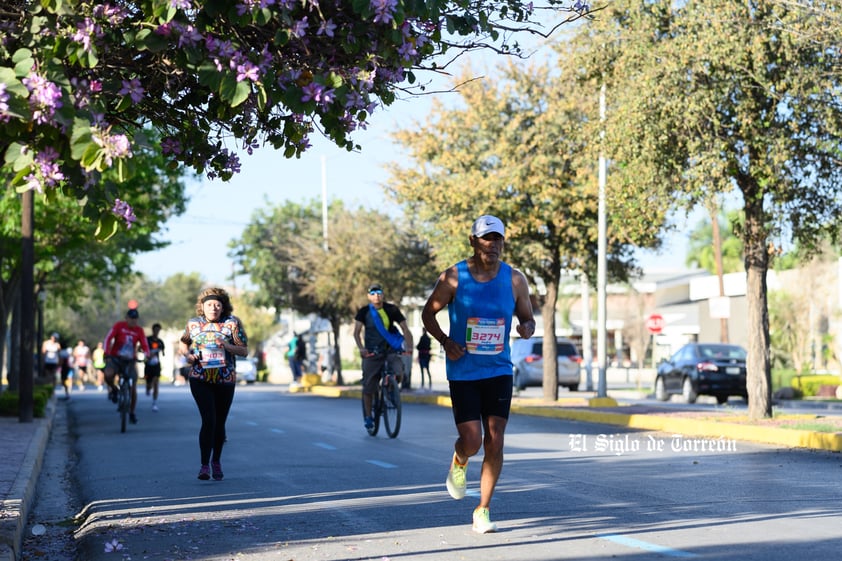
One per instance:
(577,409)
(23,489)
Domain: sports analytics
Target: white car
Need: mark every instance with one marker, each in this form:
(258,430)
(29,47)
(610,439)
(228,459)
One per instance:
(247,369)
(529,363)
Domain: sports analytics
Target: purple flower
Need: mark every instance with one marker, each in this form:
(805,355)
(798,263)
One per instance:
(171,145)
(4,104)
(45,171)
(180,4)
(83,91)
(113,146)
(123,210)
(247,71)
(189,35)
(44,98)
(133,89)
(327,27)
(304,143)
(300,28)
(34,183)
(85,32)
(113,14)
(165,29)
(232,161)
(384,10)
(50,170)
(251,147)
(581,6)
(312,92)
(407,51)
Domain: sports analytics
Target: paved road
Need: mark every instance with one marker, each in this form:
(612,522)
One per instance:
(303,481)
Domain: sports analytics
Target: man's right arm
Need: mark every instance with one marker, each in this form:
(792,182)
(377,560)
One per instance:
(358,330)
(441,296)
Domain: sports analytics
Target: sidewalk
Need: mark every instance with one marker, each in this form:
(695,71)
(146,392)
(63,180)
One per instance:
(23,444)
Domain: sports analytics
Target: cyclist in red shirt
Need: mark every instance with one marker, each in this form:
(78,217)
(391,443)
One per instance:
(121,347)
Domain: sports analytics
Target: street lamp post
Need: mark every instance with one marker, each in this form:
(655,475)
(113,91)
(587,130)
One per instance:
(602,248)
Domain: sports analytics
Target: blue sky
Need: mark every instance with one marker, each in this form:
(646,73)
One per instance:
(219,211)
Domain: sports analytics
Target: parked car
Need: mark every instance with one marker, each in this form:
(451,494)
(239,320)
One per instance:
(716,369)
(528,360)
(247,369)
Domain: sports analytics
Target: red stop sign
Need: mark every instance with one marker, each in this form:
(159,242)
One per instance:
(655,323)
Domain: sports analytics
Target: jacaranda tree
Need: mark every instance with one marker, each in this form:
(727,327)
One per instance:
(81,80)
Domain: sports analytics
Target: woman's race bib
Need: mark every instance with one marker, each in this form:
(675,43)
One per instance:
(485,336)
(210,350)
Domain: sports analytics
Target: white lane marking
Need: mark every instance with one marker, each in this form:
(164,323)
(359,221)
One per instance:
(325,446)
(278,431)
(382,464)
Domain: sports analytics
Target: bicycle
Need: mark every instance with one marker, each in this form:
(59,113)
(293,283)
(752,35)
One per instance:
(386,402)
(124,391)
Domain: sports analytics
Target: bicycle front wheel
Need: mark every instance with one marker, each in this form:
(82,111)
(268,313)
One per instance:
(392,407)
(124,401)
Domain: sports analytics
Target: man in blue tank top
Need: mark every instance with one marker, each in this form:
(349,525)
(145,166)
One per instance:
(481,293)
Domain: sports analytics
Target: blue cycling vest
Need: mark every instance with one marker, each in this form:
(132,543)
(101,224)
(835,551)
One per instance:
(481,321)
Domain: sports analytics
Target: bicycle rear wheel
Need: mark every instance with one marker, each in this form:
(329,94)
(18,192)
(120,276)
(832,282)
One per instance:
(392,407)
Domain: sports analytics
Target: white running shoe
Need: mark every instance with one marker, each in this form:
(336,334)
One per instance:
(456,483)
(482,522)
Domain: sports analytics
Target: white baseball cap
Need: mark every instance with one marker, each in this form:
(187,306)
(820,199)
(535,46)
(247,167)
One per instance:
(486,224)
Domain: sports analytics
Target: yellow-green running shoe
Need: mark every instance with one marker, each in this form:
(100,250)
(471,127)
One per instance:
(482,523)
(456,479)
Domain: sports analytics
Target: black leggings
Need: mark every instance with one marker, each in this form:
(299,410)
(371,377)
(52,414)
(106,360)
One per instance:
(214,402)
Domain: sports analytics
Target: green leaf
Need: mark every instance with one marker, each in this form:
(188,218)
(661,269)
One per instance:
(242,93)
(262,98)
(263,16)
(107,226)
(23,62)
(146,39)
(18,157)
(209,76)
(125,103)
(80,138)
(333,80)
(228,87)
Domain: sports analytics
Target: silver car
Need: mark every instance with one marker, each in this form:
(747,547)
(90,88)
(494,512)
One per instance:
(246,369)
(529,363)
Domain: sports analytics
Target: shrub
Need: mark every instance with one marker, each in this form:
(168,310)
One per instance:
(40,395)
(810,384)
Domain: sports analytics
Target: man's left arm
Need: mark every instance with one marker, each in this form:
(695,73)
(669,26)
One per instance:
(523,305)
(144,343)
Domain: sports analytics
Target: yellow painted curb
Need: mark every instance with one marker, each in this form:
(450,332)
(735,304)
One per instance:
(792,438)
(602,402)
(695,427)
(311,380)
